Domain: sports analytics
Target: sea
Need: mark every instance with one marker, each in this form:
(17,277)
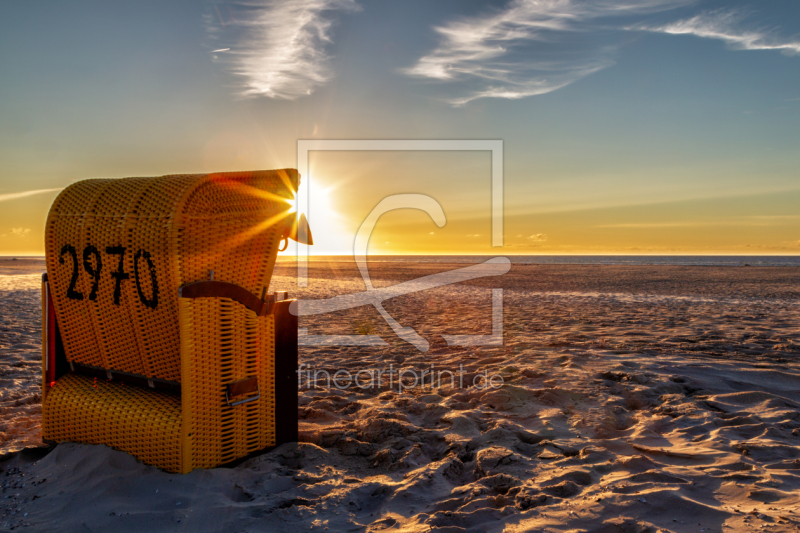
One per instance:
(676,260)
(26,263)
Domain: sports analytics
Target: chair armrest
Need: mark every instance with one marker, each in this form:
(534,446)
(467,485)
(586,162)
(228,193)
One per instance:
(222,289)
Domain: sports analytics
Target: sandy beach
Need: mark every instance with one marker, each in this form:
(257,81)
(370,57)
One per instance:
(633,399)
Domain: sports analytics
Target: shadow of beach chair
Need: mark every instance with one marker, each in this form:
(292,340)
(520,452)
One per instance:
(154,341)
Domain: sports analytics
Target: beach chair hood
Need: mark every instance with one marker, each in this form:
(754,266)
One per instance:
(118,250)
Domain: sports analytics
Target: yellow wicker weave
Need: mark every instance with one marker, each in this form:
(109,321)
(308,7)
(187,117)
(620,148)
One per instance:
(174,230)
(221,342)
(144,423)
(214,353)
(121,312)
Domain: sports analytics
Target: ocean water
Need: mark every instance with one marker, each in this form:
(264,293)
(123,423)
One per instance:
(676,260)
(24,265)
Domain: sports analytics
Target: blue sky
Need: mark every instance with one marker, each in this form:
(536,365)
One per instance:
(646,126)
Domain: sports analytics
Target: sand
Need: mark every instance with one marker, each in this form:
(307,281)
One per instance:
(634,399)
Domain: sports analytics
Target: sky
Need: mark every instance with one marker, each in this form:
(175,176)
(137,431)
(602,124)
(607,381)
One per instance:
(628,127)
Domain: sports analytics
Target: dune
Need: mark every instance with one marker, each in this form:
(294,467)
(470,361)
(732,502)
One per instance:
(626,405)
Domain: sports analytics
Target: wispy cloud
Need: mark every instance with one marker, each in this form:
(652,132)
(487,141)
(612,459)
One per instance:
(279,49)
(532,47)
(538,237)
(770,220)
(743,220)
(727,26)
(653,225)
(23,194)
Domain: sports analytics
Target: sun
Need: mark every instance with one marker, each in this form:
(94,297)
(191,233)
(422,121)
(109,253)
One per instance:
(319,204)
(314,201)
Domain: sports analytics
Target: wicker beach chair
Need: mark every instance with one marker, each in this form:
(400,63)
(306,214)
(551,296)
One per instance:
(155,339)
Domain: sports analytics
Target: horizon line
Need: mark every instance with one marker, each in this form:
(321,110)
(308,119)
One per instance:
(565,254)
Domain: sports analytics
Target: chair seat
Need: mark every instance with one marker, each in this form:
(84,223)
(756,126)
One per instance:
(144,423)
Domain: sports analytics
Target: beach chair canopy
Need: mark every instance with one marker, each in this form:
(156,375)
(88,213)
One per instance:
(118,250)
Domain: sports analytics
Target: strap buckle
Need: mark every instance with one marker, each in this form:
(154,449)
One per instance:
(244,386)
